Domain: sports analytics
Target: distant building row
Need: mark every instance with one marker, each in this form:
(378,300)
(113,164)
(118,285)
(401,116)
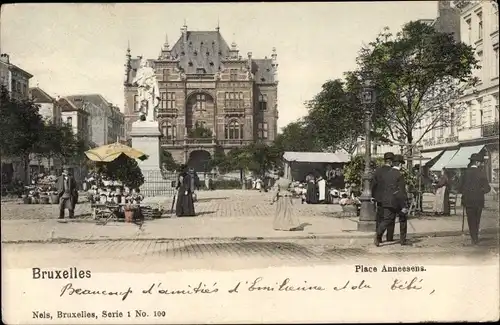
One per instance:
(91,116)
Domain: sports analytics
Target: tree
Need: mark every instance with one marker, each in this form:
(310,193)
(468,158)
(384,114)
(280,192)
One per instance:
(200,132)
(49,143)
(168,161)
(419,75)
(123,169)
(297,136)
(20,125)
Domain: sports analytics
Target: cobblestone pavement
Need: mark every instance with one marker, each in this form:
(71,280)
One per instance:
(154,255)
(220,203)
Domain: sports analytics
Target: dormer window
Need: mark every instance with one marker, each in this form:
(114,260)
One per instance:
(262,79)
(200,70)
(211,63)
(190,63)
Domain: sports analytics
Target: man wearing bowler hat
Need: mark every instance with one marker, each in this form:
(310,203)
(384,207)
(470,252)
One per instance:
(473,186)
(394,202)
(377,191)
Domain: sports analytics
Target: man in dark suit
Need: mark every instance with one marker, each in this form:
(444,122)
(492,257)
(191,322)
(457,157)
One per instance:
(377,191)
(473,186)
(68,194)
(394,201)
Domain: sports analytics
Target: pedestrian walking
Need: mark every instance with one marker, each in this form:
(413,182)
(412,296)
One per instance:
(184,206)
(284,219)
(473,186)
(394,202)
(377,192)
(67,191)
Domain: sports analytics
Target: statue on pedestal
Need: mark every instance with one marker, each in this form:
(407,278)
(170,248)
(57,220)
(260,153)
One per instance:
(148,89)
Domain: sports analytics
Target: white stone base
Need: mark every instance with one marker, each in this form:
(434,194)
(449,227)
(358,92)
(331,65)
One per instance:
(146,138)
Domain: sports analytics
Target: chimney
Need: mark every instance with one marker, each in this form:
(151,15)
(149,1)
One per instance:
(5,58)
(184,33)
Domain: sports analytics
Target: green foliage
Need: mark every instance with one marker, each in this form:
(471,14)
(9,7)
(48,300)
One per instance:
(353,172)
(297,136)
(200,132)
(123,169)
(167,161)
(21,125)
(227,184)
(256,157)
(418,73)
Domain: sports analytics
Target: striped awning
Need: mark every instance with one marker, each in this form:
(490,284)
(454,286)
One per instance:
(443,160)
(461,159)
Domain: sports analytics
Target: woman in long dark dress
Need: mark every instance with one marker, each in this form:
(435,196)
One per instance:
(312,191)
(184,206)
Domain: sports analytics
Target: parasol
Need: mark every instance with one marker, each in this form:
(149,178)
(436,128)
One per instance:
(110,152)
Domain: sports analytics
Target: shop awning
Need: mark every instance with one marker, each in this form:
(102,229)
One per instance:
(316,157)
(443,160)
(461,159)
(429,158)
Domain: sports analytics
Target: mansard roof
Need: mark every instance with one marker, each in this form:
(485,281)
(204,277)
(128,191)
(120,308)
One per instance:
(203,50)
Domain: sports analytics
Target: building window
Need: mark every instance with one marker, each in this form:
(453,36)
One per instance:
(495,71)
(69,120)
(481,63)
(263,102)
(234,130)
(472,117)
(262,130)
(163,100)
(166,73)
(469,31)
(24,90)
(233,74)
(171,100)
(233,99)
(137,104)
(201,102)
(480,26)
(169,130)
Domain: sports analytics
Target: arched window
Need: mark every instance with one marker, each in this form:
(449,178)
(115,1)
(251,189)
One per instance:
(169,130)
(234,130)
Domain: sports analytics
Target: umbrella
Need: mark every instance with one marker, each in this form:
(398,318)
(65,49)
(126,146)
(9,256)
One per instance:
(112,151)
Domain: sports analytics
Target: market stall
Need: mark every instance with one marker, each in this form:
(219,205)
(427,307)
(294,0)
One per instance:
(113,194)
(42,190)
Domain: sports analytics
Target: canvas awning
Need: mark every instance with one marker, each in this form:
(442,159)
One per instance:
(461,159)
(429,158)
(316,157)
(443,160)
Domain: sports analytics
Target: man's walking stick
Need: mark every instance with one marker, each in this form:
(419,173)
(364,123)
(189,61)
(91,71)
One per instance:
(173,202)
(463,218)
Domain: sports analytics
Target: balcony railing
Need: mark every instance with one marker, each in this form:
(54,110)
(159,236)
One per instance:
(167,111)
(203,142)
(489,130)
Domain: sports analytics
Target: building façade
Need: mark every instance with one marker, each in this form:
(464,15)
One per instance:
(206,84)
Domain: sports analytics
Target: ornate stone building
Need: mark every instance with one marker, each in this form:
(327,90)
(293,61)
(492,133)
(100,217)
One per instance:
(205,82)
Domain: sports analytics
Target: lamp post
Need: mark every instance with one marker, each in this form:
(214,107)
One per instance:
(367,214)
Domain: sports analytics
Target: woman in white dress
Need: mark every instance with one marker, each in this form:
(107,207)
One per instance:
(284,219)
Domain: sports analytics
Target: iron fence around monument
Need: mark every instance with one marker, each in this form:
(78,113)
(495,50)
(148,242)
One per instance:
(158,183)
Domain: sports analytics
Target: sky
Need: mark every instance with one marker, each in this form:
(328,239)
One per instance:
(80,48)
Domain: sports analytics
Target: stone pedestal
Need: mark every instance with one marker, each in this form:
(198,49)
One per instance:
(146,138)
